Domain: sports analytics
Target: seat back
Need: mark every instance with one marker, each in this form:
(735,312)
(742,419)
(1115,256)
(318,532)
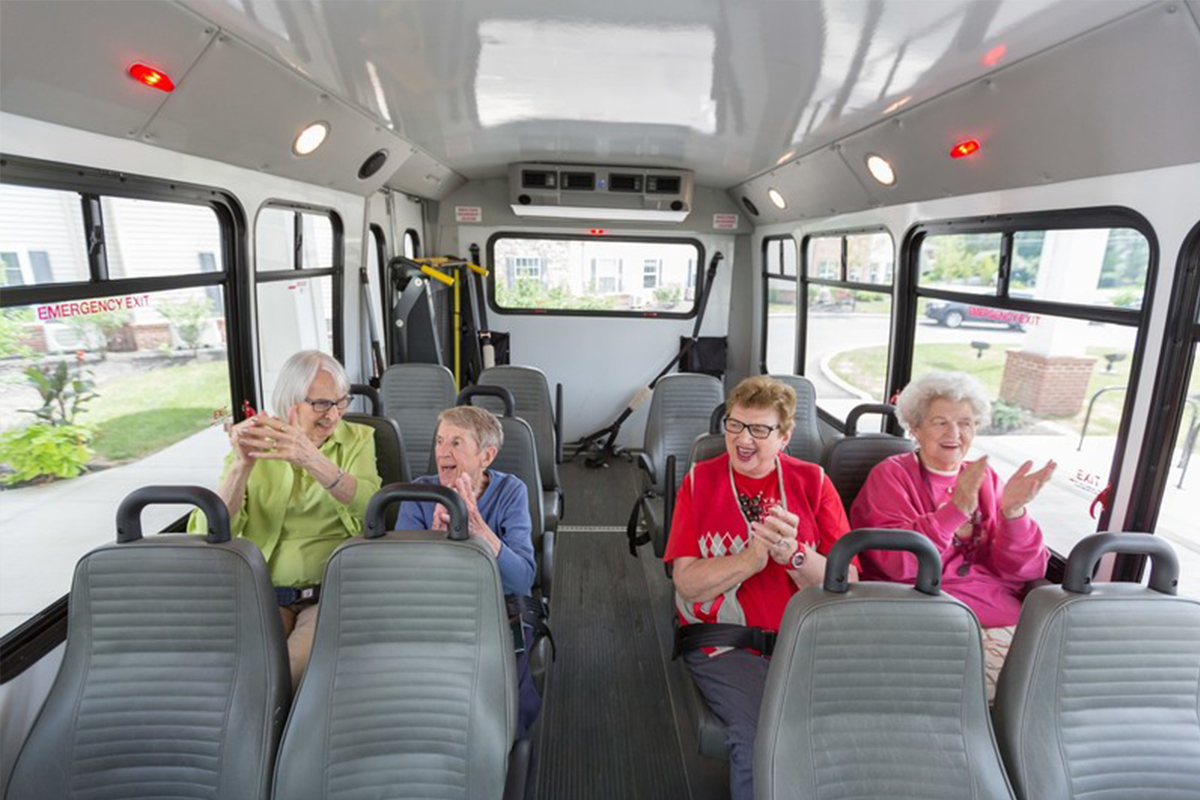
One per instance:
(410,690)
(680,410)
(849,460)
(391,461)
(806,441)
(1100,693)
(877,689)
(706,446)
(414,395)
(531,392)
(175,678)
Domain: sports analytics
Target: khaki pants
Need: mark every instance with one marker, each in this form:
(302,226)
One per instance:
(299,624)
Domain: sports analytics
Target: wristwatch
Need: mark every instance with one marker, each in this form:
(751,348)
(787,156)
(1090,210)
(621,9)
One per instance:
(798,557)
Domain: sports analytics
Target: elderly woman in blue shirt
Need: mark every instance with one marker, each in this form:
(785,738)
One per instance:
(468,439)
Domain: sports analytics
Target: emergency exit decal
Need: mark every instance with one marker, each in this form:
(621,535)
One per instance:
(468,214)
(86,307)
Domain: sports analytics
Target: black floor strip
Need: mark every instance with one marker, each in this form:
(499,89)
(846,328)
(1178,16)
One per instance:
(607,728)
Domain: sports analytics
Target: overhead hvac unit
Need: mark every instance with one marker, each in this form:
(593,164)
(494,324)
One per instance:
(574,191)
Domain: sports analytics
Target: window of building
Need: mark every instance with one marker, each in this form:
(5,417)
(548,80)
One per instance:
(118,369)
(847,289)
(601,275)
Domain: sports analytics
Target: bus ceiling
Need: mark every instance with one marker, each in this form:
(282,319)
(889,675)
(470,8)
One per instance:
(749,96)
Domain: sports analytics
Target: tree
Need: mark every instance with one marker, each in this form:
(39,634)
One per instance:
(189,318)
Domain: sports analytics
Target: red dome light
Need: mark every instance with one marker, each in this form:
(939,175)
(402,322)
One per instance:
(964,149)
(152,77)
(597,231)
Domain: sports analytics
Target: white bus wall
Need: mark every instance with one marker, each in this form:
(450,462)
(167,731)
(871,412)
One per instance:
(22,136)
(1169,198)
(20,701)
(602,362)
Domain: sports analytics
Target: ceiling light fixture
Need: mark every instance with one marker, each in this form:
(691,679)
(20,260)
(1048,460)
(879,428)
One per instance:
(881,170)
(310,138)
(154,78)
(777,199)
(964,149)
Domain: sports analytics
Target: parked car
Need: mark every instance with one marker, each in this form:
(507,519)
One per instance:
(952,314)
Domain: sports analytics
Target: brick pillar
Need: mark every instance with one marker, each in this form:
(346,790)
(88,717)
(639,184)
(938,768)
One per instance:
(1048,386)
(152,335)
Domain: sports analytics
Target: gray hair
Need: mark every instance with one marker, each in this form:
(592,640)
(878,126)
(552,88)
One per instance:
(482,424)
(914,401)
(297,375)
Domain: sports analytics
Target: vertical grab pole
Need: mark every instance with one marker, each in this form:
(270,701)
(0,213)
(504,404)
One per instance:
(458,331)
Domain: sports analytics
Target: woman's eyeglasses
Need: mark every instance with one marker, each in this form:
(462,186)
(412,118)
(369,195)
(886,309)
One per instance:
(323,406)
(736,426)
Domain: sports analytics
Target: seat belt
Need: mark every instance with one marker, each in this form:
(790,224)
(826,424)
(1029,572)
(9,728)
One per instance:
(532,612)
(722,634)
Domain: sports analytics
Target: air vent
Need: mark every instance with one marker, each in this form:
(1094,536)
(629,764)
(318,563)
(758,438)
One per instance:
(579,181)
(618,182)
(539,179)
(662,184)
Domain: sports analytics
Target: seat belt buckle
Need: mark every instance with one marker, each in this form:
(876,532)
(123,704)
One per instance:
(514,624)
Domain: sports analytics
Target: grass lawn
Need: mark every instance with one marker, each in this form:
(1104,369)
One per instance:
(866,368)
(140,414)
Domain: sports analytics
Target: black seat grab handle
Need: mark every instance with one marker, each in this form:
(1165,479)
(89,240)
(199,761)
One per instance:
(372,395)
(129,513)
(510,404)
(851,428)
(1164,564)
(376,523)
(716,422)
(929,562)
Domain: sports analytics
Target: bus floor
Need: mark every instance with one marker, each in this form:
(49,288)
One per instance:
(612,725)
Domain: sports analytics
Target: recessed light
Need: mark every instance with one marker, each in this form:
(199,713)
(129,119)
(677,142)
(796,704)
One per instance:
(881,170)
(310,138)
(788,156)
(777,199)
(899,104)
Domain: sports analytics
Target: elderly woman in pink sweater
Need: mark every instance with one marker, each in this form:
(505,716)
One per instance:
(990,546)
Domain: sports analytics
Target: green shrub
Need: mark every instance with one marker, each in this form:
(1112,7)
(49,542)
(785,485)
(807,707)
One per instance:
(44,450)
(63,395)
(189,318)
(1007,418)
(668,295)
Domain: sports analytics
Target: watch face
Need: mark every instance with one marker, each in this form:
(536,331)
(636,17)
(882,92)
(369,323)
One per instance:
(798,559)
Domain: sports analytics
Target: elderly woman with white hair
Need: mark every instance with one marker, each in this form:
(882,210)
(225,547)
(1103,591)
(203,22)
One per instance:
(990,546)
(297,484)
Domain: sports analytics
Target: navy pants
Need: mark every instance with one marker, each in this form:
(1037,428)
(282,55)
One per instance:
(529,703)
(732,685)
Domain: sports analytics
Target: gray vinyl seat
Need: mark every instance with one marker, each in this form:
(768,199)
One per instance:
(518,457)
(877,690)
(849,460)
(391,460)
(413,395)
(531,391)
(1100,694)
(175,677)
(806,441)
(411,688)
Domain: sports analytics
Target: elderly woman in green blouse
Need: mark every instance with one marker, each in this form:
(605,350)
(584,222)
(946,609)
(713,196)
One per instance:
(297,485)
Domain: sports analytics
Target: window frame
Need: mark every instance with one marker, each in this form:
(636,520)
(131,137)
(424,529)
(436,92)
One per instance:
(767,277)
(336,271)
(907,274)
(1168,401)
(803,282)
(416,241)
(26,644)
(697,270)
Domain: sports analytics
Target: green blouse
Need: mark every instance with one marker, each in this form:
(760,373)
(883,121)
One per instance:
(295,522)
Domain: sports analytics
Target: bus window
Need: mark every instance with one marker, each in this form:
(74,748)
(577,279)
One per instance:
(298,252)
(847,285)
(607,275)
(1183,485)
(115,388)
(779,319)
(43,236)
(1059,375)
(412,244)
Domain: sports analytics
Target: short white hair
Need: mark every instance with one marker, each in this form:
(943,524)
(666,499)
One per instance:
(913,403)
(479,422)
(298,374)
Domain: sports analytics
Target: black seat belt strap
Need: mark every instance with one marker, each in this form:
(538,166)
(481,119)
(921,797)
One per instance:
(722,634)
(532,612)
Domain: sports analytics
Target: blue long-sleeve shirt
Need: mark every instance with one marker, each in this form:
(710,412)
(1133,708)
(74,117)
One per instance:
(504,506)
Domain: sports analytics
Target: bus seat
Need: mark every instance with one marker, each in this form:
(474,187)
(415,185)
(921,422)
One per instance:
(390,458)
(1100,693)
(518,456)
(706,446)
(877,689)
(531,391)
(849,460)
(414,395)
(411,689)
(806,441)
(175,676)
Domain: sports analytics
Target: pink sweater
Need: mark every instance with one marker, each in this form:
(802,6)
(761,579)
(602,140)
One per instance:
(1009,553)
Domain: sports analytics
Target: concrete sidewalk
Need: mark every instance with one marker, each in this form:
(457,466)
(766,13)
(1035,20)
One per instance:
(44,530)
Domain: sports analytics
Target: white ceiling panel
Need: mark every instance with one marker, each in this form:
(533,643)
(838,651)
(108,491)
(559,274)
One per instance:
(819,185)
(423,176)
(66,61)
(239,106)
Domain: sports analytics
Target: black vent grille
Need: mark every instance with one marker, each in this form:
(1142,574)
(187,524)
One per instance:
(539,179)
(662,184)
(618,182)
(579,181)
